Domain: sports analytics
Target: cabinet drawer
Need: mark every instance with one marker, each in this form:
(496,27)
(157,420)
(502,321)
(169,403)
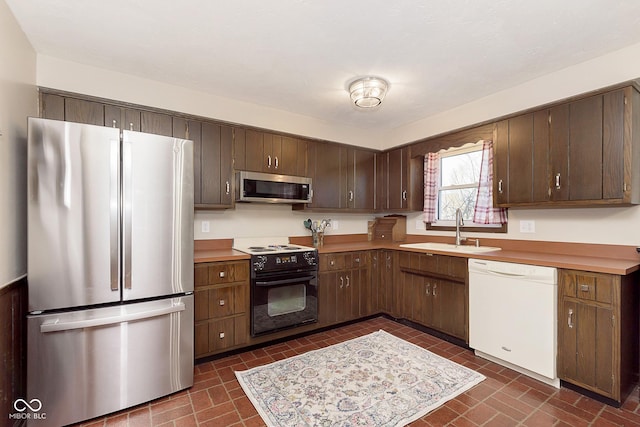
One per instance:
(587,286)
(332,262)
(228,272)
(220,273)
(218,335)
(357,260)
(227,301)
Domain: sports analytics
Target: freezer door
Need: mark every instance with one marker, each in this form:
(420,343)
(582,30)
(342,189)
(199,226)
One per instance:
(72,210)
(84,364)
(158,215)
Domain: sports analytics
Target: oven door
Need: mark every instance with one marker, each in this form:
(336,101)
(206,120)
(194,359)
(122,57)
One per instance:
(282,300)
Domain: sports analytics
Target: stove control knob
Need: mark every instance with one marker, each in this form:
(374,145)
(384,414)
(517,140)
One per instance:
(310,257)
(259,262)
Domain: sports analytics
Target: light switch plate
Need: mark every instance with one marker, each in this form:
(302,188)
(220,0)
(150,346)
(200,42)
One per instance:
(527,226)
(335,224)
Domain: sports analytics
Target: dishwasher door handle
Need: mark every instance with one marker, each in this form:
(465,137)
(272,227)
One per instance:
(501,273)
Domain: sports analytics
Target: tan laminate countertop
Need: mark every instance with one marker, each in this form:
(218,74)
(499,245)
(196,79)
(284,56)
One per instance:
(594,263)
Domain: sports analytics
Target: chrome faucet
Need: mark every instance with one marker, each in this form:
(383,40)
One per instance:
(459,222)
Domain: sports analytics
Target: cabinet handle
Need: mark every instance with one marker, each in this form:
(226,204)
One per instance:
(350,196)
(557,181)
(570,319)
(221,335)
(428,291)
(269,161)
(221,302)
(276,162)
(222,274)
(506,349)
(115,124)
(130,125)
(404,195)
(435,288)
(332,263)
(228,187)
(341,282)
(584,288)
(500,186)
(347,281)
(357,260)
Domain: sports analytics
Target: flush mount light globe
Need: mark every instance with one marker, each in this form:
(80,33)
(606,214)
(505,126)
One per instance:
(368,92)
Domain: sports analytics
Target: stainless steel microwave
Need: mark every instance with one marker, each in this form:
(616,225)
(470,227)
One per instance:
(271,188)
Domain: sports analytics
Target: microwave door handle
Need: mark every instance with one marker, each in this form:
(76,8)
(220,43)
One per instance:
(283,281)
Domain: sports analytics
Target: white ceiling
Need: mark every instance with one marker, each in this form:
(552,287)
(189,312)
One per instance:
(300,55)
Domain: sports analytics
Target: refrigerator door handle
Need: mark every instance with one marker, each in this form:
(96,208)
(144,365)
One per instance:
(114,214)
(127,201)
(54,325)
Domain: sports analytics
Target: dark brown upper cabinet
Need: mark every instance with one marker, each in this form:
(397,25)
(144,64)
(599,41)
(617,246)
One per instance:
(521,159)
(271,153)
(343,177)
(405,181)
(592,149)
(212,161)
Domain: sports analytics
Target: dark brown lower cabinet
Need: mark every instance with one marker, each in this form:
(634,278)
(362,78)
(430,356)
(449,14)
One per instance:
(598,332)
(221,306)
(343,280)
(432,291)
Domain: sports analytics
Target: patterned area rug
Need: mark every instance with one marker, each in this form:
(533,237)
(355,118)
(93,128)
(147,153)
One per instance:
(374,380)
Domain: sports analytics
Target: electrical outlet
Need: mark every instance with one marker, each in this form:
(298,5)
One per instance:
(334,224)
(419,224)
(206,227)
(527,226)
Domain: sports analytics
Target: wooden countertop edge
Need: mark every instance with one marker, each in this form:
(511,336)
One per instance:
(576,262)
(214,255)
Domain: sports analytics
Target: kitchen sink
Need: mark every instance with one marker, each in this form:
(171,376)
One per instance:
(448,247)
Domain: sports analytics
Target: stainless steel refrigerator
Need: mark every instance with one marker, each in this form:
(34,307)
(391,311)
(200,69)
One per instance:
(110,269)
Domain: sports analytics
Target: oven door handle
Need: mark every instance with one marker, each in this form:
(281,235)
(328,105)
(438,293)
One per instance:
(284,281)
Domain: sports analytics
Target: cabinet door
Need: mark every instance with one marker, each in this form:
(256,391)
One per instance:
(397,178)
(327,290)
(188,129)
(382,184)
(293,156)
(81,111)
(559,152)
(585,149)
(156,123)
(217,165)
(327,176)
(51,106)
(576,148)
(586,346)
(254,150)
(272,153)
(362,181)
(613,179)
(521,159)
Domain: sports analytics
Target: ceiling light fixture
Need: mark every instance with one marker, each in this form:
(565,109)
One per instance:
(368,92)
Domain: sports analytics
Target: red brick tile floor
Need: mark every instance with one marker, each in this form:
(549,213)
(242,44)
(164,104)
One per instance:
(505,398)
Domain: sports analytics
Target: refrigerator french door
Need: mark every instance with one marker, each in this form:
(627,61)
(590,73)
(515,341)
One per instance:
(110,268)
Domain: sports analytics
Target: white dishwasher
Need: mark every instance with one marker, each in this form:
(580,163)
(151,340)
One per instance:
(513,316)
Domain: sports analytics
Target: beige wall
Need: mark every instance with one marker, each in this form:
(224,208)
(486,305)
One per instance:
(18,99)
(598,225)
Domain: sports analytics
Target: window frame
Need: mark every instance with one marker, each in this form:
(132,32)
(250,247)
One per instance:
(448,225)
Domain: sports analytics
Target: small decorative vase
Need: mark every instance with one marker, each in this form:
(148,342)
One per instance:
(318,238)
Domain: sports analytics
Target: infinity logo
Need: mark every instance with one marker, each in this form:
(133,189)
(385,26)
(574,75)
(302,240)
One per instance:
(21,405)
